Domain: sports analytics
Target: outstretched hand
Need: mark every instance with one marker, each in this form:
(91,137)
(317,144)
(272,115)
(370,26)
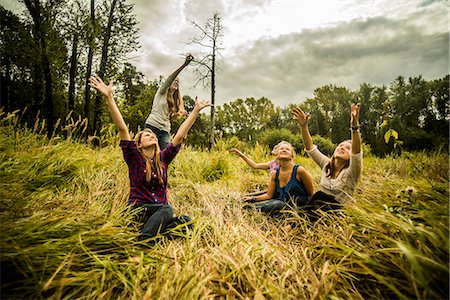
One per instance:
(201,105)
(355,114)
(98,84)
(236,152)
(189,58)
(301,117)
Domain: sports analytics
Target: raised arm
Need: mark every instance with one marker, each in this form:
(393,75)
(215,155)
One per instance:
(106,90)
(302,120)
(187,124)
(249,161)
(174,75)
(354,124)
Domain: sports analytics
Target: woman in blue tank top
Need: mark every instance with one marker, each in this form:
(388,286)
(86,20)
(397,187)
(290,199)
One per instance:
(291,182)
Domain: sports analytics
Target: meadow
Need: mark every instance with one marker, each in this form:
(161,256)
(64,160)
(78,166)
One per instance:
(66,232)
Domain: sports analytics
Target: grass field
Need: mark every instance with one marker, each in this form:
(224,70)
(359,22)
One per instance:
(66,232)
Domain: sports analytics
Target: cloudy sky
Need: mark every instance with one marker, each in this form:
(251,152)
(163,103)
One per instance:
(283,50)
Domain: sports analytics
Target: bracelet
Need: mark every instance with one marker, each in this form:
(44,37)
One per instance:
(253,199)
(355,128)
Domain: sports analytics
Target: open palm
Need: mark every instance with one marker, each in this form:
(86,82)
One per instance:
(199,105)
(98,84)
(300,116)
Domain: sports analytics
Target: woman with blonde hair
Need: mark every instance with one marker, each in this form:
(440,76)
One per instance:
(290,184)
(167,105)
(147,164)
(341,173)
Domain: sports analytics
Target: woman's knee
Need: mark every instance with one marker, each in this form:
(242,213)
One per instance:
(166,210)
(270,206)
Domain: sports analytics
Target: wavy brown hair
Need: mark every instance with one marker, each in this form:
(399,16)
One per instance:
(175,102)
(148,163)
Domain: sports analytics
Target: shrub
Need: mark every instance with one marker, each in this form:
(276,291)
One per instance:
(326,146)
(272,137)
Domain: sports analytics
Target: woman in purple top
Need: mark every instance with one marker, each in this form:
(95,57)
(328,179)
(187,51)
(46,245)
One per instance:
(147,164)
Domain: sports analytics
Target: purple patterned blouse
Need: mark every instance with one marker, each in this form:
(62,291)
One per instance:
(142,191)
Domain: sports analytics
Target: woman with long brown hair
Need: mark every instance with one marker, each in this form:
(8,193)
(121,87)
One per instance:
(341,173)
(167,105)
(147,164)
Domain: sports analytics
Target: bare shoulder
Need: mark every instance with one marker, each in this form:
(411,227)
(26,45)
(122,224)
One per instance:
(302,172)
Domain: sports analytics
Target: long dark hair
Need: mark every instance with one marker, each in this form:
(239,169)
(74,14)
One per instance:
(148,164)
(175,102)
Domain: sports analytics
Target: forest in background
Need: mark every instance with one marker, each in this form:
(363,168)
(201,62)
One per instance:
(48,53)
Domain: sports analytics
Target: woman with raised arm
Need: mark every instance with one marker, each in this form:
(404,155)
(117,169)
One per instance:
(167,105)
(341,173)
(290,182)
(147,164)
(270,165)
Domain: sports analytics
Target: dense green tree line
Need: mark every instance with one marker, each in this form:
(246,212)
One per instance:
(415,108)
(48,52)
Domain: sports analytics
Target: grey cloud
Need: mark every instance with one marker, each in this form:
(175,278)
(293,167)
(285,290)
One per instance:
(288,68)
(376,50)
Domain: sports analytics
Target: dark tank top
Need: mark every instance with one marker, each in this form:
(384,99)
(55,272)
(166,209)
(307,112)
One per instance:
(294,189)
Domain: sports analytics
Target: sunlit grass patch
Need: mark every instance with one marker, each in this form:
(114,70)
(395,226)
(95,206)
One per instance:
(67,233)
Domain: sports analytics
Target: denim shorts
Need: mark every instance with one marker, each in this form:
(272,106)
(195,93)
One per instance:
(163,136)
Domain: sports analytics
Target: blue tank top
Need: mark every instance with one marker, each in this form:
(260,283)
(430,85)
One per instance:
(293,189)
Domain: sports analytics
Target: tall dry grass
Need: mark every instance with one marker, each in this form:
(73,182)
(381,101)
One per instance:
(66,232)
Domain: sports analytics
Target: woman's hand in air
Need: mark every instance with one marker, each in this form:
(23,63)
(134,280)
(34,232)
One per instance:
(98,84)
(300,116)
(189,58)
(201,105)
(355,115)
(236,152)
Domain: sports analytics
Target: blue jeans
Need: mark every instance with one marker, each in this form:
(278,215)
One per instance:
(154,219)
(266,206)
(163,136)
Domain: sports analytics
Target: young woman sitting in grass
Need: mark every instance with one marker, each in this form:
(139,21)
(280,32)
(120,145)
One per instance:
(340,174)
(291,182)
(270,165)
(147,164)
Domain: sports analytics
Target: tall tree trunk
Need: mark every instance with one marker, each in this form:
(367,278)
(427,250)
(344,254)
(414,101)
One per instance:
(5,85)
(213,92)
(72,72)
(87,93)
(213,84)
(98,107)
(48,88)
(35,11)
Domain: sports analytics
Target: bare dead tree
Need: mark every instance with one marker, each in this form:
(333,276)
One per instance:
(205,65)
